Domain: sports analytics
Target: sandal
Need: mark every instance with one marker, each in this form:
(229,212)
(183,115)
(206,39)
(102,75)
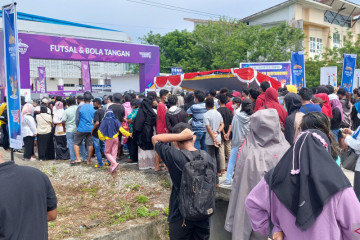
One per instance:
(75,164)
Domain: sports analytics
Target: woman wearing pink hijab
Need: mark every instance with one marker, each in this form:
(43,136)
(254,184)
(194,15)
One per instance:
(29,132)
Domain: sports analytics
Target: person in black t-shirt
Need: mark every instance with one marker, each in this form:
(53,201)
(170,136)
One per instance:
(183,137)
(98,145)
(225,147)
(27,202)
(119,112)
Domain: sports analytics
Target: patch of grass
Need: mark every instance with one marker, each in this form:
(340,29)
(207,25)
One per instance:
(154,214)
(51,224)
(142,199)
(142,211)
(91,190)
(53,170)
(165,183)
(166,211)
(136,187)
(127,185)
(94,216)
(85,182)
(63,210)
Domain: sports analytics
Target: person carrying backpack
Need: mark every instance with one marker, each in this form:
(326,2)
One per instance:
(191,202)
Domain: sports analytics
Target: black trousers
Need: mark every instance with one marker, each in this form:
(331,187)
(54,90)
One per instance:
(357,184)
(133,149)
(46,146)
(189,232)
(28,147)
(6,140)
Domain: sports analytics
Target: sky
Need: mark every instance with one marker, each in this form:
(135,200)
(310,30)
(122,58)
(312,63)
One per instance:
(138,17)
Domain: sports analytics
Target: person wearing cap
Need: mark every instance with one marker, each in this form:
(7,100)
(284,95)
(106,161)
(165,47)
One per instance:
(44,103)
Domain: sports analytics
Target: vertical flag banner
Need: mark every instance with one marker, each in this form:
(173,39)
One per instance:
(348,71)
(12,73)
(42,79)
(356,82)
(298,69)
(85,71)
(328,76)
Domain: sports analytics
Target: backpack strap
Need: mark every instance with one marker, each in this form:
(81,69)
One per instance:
(306,110)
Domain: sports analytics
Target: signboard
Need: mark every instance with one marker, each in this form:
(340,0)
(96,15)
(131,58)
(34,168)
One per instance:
(328,76)
(12,73)
(298,69)
(348,71)
(280,71)
(26,93)
(85,72)
(42,79)
(176,71)
(356,82)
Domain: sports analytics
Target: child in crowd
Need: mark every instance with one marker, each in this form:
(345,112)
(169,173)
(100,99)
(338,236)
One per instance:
(109,131)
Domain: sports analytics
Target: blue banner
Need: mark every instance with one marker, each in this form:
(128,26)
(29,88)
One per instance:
(280,71)
(12,75)
(176,71)
(298,69)
(348,72)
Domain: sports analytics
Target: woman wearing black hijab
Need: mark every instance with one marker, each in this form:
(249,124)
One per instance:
(311,198)
(292,124)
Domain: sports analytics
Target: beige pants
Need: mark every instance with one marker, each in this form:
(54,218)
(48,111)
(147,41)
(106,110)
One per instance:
(225,150)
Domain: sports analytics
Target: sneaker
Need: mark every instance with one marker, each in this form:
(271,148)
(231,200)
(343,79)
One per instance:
(32,159)
(113,168)
(226,184)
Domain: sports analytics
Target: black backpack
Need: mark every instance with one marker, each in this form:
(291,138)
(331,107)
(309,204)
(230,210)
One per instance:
(197,187)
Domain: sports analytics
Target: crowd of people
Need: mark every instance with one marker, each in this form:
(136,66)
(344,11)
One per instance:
(278,150)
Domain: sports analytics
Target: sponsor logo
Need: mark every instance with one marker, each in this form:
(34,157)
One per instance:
(297,67)
(145,54)
(23,47)
(348,68)
(11,39)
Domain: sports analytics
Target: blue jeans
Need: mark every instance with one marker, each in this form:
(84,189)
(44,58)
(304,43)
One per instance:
(231,164)
(97,149)
(200,141)
(70,143)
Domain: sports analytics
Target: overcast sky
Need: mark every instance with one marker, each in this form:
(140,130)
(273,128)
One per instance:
(138,17)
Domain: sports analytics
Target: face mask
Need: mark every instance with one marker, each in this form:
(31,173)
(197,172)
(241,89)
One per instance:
(234,106)
(96,108)
(194,100)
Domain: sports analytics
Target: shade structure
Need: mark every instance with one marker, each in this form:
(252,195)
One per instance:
(235,79)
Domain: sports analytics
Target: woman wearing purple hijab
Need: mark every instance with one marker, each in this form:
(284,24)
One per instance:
(306,196)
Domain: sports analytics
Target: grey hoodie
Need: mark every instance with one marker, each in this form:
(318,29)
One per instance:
(240,126)
(177,91)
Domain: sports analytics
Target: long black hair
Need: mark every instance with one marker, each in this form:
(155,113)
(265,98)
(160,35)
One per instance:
(246,106)
(321,122)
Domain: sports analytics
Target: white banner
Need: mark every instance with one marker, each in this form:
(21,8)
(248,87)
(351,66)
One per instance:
(356,82)
(328,76)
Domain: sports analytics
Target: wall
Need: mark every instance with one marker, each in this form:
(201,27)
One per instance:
(125,83)
(284,14)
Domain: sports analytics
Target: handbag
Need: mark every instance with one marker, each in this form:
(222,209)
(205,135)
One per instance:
(348,159)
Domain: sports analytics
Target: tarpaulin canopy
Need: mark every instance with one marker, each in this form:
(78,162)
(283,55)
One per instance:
(235,79)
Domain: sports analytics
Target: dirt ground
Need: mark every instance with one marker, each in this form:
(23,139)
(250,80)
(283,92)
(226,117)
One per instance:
(90,198)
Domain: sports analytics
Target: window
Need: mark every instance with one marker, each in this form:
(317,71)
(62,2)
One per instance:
(319,46)
(338,19)
(312,44)
(69,85)
(336,40)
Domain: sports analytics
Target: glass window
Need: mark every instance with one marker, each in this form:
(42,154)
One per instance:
(312,44)
(338,19)
(336,40)
(318,46)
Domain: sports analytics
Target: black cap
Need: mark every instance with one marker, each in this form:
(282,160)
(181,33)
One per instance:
(80,97)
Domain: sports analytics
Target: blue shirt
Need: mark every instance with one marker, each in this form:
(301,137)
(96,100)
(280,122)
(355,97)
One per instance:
(197,111)
(86,116)
(310,108)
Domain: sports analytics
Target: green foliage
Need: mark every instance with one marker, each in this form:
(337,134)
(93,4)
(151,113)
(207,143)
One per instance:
(142,211)
(136,187)
(166,211)
(91,190)
(154,214)
(53,170)
(142,199)
(165,183)
(224,44)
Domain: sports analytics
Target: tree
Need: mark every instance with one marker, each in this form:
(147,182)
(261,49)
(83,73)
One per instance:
(224,44)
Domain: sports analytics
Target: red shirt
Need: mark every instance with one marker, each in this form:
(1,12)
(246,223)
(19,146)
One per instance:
(229,106)
(160,120)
